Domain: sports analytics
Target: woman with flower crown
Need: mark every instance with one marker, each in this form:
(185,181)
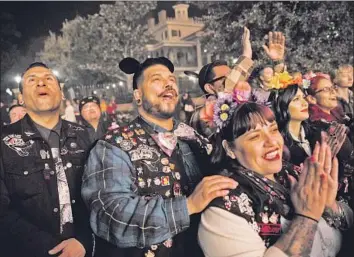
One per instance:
(275,211)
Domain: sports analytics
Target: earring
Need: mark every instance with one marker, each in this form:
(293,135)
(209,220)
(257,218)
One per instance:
(138,101)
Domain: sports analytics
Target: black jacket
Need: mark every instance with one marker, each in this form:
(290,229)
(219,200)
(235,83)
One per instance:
(29,203)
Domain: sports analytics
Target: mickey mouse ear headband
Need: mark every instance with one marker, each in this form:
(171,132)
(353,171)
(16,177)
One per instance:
(132,66)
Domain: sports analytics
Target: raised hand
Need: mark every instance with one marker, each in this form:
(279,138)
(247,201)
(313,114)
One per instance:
(207,190)
(246,43)
(276,46)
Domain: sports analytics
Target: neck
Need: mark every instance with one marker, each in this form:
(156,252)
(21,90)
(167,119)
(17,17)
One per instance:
(163,123)
(343,92)
(324,109)
(94,124)
(270,177)
(294,128)
(45,119)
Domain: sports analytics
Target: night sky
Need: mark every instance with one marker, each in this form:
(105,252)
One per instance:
(35,19)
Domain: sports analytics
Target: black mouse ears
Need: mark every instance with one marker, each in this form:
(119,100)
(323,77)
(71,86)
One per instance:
(129,65)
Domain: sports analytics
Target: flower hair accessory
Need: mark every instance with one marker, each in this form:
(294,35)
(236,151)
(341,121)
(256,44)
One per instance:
(308,77)
(223,110)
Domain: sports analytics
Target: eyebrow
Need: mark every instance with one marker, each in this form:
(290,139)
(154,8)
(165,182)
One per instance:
(258,130)
(34,75)
(159,74)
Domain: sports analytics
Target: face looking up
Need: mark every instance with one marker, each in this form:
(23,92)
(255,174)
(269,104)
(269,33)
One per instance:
(158,91)
(41,91)
(298,107)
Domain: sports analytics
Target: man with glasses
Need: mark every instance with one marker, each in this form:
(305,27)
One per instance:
(217,77)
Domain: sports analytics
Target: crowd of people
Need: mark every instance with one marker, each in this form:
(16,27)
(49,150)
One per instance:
(263,168)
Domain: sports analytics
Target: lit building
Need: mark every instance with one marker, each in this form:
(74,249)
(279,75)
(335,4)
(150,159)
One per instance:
(177,38)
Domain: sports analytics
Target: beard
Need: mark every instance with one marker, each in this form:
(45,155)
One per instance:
(157,110)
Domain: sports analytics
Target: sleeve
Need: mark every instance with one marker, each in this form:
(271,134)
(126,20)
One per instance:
(19,232)
(240,72)
(117,213)
(224,234)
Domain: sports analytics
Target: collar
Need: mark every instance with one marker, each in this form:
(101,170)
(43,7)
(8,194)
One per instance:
(30,131)
(157,128)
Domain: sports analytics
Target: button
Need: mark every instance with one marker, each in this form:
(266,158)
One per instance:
(73,201)
(52,172)
(185,187)
(73,145)
(69,165)
(25,172)
(55,210)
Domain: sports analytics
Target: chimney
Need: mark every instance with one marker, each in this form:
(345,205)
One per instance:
(162,16)
(151,23)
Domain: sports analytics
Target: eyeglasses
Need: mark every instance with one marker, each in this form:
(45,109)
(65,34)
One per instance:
(327,89)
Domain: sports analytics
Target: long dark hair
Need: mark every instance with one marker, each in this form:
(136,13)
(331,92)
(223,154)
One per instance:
(281,111)
(245,117)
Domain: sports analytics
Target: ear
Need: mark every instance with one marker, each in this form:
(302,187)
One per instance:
(138,95)
(228,149)
(209,88)
(311,99)
(63,96)
(20,99)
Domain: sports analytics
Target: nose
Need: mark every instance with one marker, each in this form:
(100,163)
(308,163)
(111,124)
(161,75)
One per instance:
(40,82)
(269,139)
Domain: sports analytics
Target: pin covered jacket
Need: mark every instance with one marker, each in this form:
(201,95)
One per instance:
(29,198)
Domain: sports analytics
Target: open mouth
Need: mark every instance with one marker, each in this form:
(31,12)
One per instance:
(169,95)
(305,110)
(272,155)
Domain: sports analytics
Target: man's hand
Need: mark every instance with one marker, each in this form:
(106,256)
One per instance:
(207,190)
(69,248)
(246,43)
(276,46)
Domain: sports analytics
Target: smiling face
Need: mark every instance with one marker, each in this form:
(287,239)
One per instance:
(260,149)
(41,91)
(298,107)
(159,92)
(326,95)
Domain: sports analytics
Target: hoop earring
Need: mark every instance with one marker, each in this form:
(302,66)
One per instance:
(138,101)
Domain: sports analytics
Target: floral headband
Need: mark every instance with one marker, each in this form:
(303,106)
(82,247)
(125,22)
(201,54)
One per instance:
(308,77)
(226,104)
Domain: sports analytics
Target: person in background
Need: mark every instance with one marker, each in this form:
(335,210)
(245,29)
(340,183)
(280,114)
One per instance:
(322,96)
(76,103)
(112,109)
(92,118)
(41,165)
(16,112)
(344,82)
(216,78)
(69,114)
(187,107)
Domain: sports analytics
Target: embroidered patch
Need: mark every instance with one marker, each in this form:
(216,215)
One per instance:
(144,152)
(165,180)
(16,143)
(126,145)
(75,128)
(269,229)
(177,189)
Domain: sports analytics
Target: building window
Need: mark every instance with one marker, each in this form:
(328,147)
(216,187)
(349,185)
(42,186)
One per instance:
(174,33)
(166,34)
(162,36)
(179,33)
